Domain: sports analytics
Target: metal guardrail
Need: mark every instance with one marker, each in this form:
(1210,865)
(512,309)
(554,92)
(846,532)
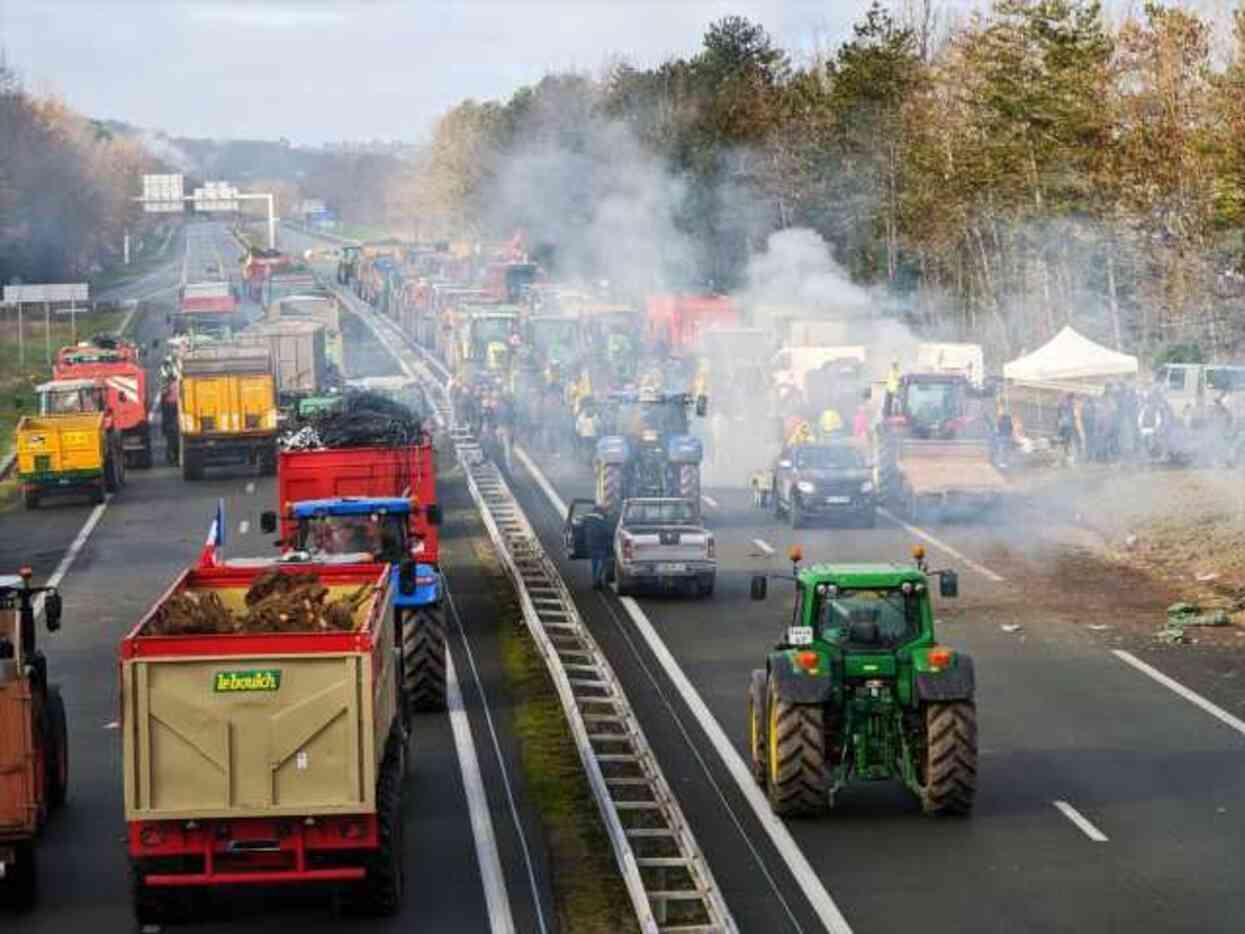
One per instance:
(671,887)
(6,464)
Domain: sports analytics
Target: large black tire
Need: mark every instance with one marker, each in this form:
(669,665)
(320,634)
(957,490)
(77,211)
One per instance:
(949,766)
(890,486)
(97,493)
(798,779)
(112,482)
(145,456)
(31,499)
(268,463)
(56,779)
(621,584)
(609,488)
(380,893)
(423,659)
(192,467)
(757,742)
(689,483)
(20,887)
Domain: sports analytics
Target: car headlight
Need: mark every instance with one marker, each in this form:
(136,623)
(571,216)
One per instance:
(866,487)
(805,487)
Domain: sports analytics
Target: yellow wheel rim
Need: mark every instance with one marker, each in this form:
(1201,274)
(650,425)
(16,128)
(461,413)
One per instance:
(773,740)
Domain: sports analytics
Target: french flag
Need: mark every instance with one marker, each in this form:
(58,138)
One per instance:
(210,556)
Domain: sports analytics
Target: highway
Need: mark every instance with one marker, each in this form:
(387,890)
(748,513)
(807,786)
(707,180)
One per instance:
(1105,802)
(474,857)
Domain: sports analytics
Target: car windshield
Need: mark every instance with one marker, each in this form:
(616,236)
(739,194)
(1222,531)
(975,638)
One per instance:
(933,402)
(381,536)
(827,458)
(635,418)
(666,512)
(846,616)
(65,401)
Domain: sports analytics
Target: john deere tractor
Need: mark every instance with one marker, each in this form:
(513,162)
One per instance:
(858,689)
(647,449)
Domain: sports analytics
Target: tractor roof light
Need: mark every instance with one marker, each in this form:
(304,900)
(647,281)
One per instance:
(918,552)
(795,554)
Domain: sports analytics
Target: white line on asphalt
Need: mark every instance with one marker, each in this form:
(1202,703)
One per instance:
(1081,821)
(112,725)
(74,549)
(244,527)
(763,545)
(709,501)
(1172,684)
(779,835)
(805,876)
(501,921)
(250,486)
(940,544)
(501,762)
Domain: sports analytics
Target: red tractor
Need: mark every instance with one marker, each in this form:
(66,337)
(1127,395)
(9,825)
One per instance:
(34,754)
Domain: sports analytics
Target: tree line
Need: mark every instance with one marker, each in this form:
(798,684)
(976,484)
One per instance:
(1033,166)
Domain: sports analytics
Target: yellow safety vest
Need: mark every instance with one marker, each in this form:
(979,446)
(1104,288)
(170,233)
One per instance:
(830,421)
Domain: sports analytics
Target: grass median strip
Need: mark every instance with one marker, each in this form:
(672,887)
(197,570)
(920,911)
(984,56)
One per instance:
(588,891)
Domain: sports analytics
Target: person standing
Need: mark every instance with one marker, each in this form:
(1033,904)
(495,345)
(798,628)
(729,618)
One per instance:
(600,545)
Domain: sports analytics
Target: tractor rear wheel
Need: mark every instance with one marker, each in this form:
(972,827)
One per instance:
(56,778)
(423,659)
(949,766)
(757,744)
(379,895)
(609,488)
(20,884)
(798,775)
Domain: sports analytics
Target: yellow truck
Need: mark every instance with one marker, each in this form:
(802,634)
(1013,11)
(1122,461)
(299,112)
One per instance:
(227,408)
(264,758)
(71,453)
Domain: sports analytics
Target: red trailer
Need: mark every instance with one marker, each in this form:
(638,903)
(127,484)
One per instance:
(678,320)
(333,473)
(115,365)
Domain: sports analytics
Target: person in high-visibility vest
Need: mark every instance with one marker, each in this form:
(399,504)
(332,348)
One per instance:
(892,378)
(829,423)
(803,434)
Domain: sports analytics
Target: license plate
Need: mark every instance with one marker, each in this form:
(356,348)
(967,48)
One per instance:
(799,635)
(838,500)
(671,568)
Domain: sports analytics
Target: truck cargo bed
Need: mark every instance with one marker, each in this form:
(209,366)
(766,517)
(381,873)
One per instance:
(258,725)
(960,468)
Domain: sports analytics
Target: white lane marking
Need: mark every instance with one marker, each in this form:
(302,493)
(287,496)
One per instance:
(805,876)
(501,921)
(709,501)
(244,527)
(112,725)
(250,486)
(940,544)
(1191,696)
(763,545)
(75,549)
(1081,821)
(501,762)
(779,835)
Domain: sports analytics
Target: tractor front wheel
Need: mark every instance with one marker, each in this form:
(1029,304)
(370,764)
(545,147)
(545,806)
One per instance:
(423,659)
(19,887)
(756,726)
(797,772)
(949,766)
(56,740)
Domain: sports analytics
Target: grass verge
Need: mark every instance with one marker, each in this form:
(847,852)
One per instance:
(589,894)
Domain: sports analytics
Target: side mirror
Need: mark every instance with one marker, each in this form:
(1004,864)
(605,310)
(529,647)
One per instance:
(702,405)
(433,512)
(268,522)
(52,610)
(949,584)
(759,587)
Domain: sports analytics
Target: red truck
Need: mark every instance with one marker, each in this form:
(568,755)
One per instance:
(677,321)
(207,308)
(335,473)
(254,757)
(115,364)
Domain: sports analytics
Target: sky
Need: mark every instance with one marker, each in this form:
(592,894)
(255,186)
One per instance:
(316,71)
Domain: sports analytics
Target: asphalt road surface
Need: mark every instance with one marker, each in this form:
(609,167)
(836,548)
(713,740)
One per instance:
(1149,830)
(466,871)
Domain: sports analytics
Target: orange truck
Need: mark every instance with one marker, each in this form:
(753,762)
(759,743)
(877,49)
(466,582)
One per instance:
(678,321)
(116,365)
(34,756)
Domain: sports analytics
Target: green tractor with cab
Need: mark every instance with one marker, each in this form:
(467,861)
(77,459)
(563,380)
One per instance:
(858,689)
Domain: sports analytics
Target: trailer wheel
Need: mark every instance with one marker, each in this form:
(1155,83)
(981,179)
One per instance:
(949,760)
(380,893)
(798,776)
(97,493)
(423,654)
(757,743)
(56,779)
(21,884)
(157,905)
(192,468)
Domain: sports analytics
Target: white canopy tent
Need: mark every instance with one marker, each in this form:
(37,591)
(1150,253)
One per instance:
(1070,357)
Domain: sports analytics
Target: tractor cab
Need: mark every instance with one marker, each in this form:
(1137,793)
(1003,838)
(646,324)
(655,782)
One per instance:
(877,697)
(930,405)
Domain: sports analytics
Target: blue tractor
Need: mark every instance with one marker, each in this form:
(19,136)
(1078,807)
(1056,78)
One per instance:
(648,448)
(380,529)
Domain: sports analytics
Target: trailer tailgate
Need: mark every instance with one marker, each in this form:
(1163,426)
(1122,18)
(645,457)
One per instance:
(957,467)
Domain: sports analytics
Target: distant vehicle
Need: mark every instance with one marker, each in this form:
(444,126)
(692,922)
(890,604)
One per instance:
(823,481)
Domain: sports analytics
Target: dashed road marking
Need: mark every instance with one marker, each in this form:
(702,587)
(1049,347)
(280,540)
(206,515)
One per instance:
(1081,821)
(709,501)
(244,527)
(943,546)
(250,486)
(764,546)
(1173,685)
(75,549)
(112,725)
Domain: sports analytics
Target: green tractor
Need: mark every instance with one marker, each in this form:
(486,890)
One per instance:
(858,689)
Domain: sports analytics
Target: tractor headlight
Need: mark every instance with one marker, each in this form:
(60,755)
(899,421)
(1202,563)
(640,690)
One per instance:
(866,487)
(805,486)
